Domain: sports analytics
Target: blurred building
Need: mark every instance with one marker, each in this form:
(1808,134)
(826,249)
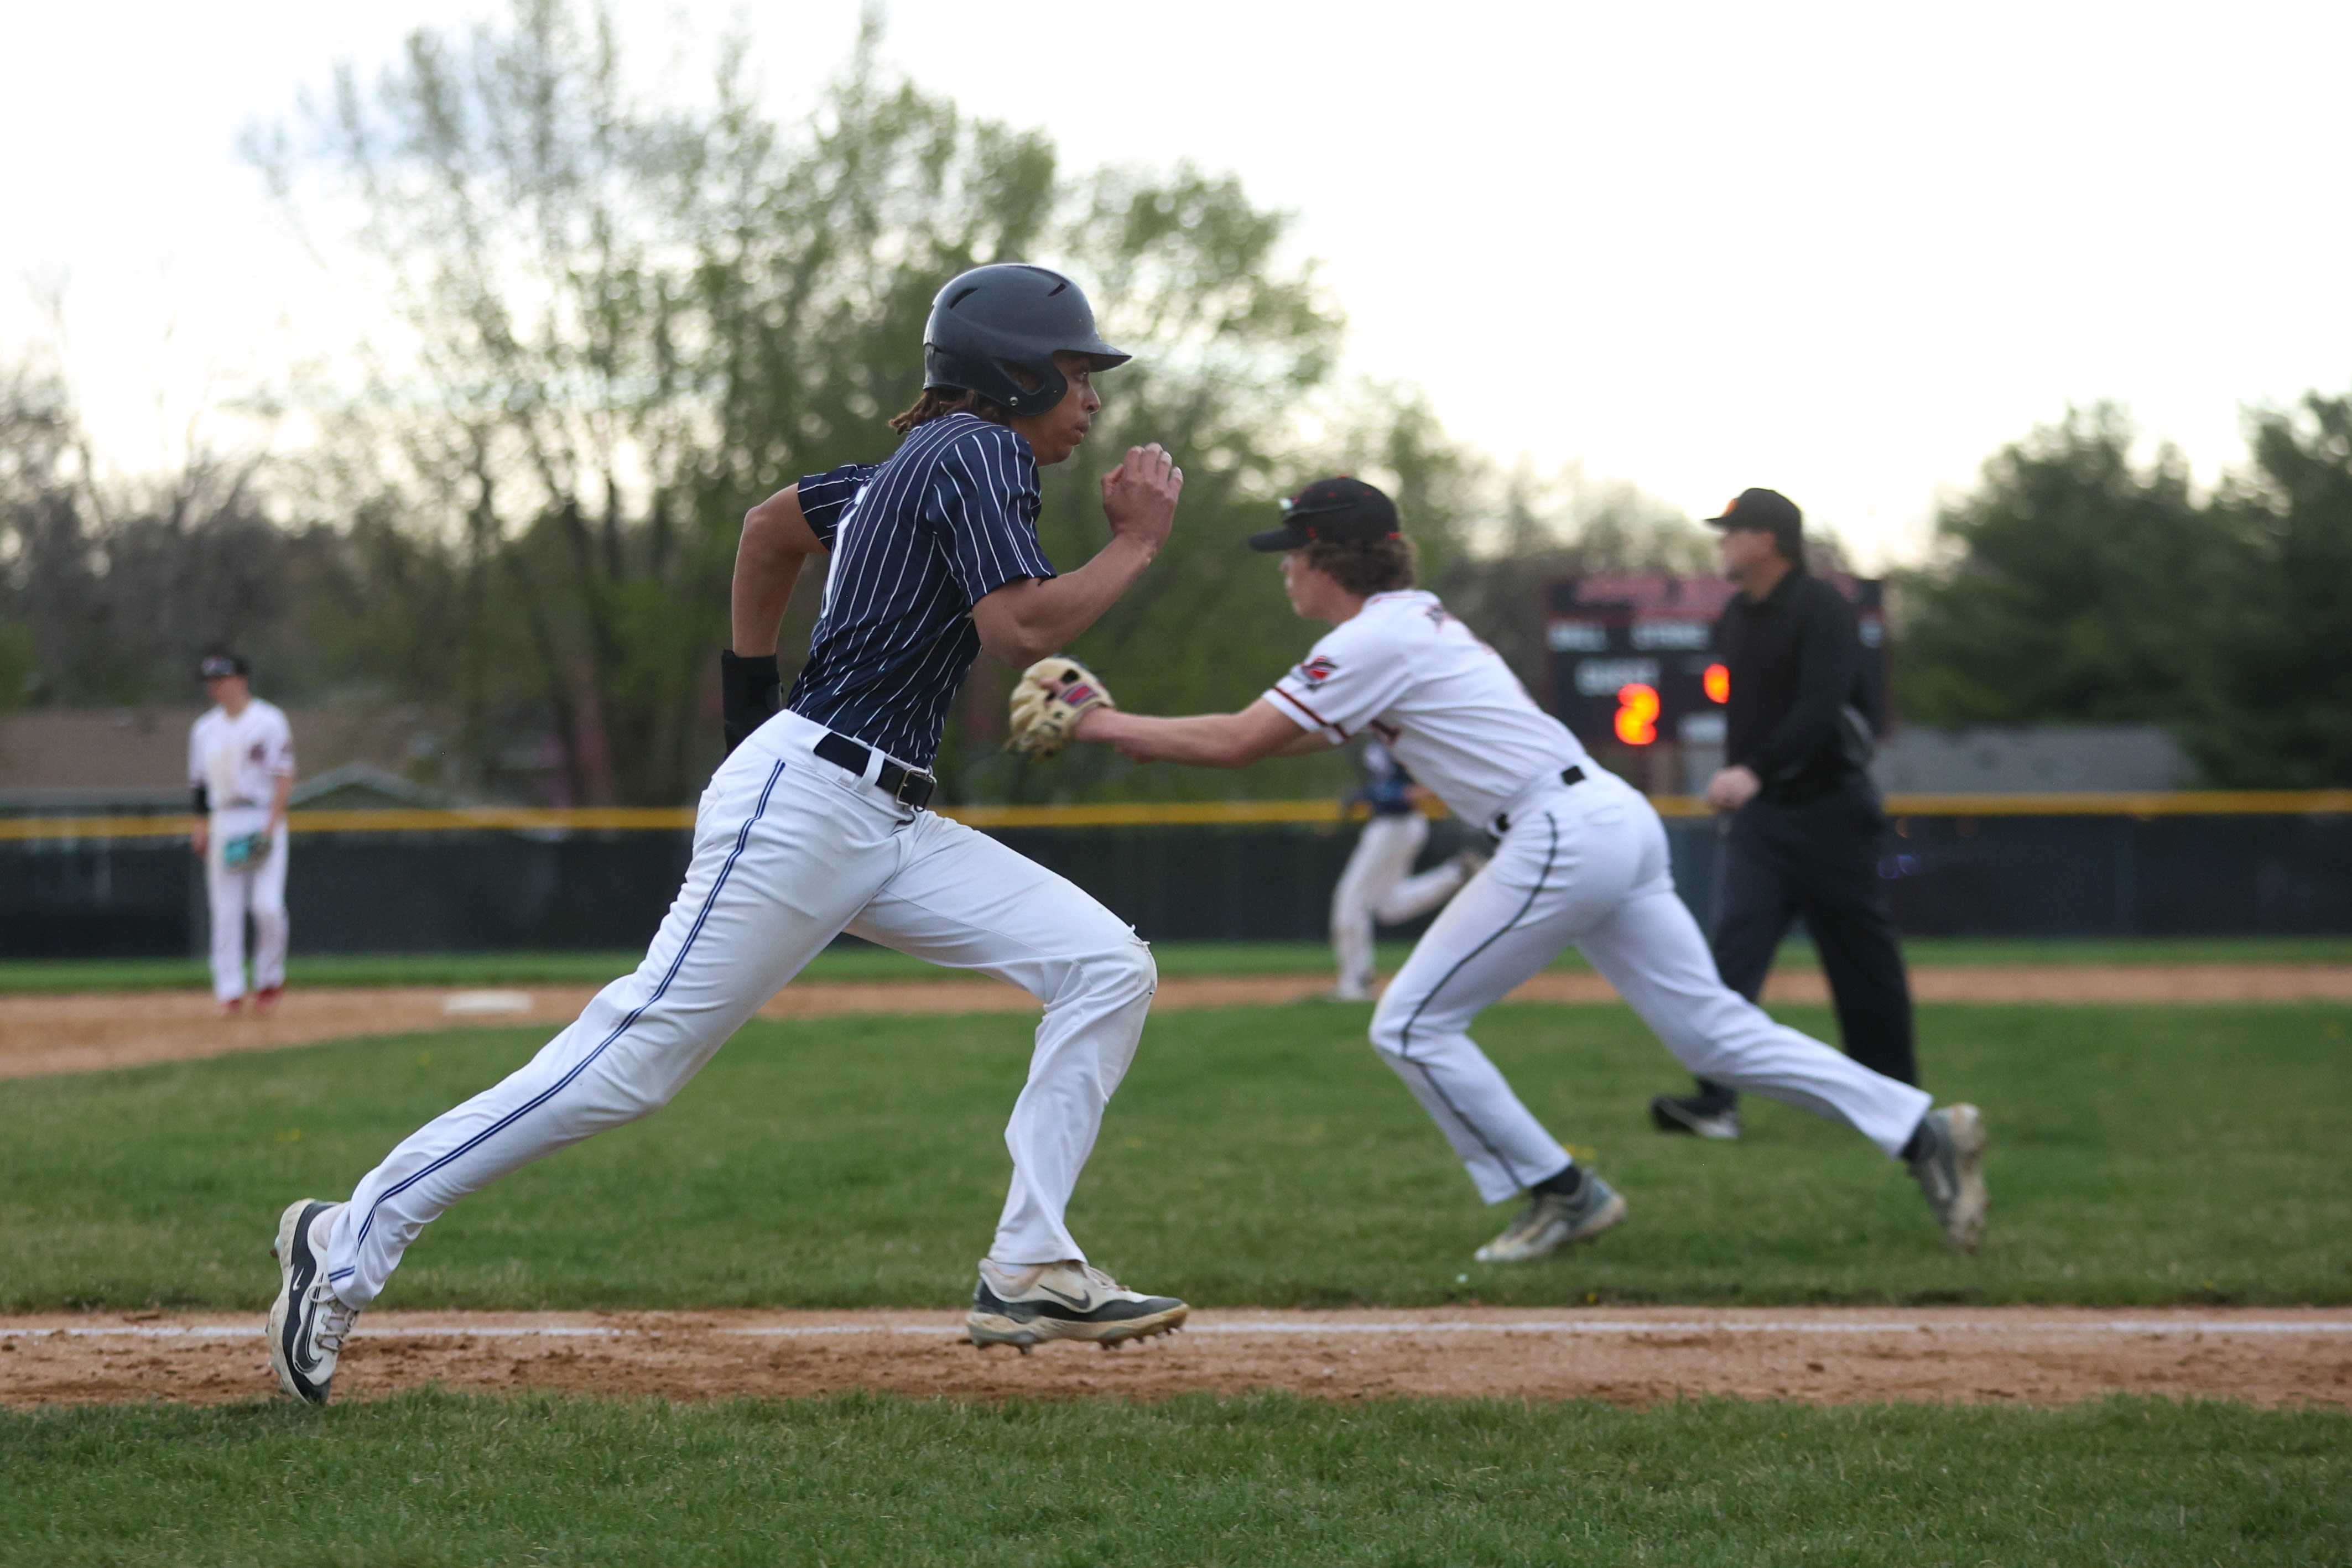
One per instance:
(2038,759)
(56,761)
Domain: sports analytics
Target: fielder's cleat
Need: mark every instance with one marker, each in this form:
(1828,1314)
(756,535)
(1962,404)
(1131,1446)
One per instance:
(1949,1168)
(1347,994)
(1695,1114)
(1063,1300)
(231,1008)
(307,1322)
(1552,1222)
(267,997)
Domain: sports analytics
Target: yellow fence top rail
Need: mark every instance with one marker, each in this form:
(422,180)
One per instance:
(610,819)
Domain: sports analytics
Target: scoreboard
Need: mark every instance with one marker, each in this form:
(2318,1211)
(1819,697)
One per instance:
(1633,660)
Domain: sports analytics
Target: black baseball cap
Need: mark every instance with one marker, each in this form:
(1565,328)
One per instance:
(1341,511)
(1767,511)
(216,665)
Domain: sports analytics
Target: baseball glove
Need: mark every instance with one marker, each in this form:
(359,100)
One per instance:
(245,851)
(1052,693)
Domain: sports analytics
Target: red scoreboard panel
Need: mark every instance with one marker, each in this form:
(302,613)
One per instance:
(1634,661)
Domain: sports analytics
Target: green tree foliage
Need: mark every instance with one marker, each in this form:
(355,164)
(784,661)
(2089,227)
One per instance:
(2088,586)
(109,593)
(2081,577)
(627,324)
(2277,708)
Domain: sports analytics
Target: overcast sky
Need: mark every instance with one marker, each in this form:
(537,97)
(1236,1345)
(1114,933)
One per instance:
(1845,251)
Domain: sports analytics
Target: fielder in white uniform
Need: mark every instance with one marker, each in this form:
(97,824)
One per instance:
(1378,885)
(816,825)
(1582,860)
(241,770)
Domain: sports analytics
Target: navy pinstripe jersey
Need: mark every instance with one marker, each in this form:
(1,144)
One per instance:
(916,542)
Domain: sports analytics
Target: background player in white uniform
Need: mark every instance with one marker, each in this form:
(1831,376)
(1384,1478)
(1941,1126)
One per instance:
(814,825)
(1378,884)
(1581,858)
(241,769)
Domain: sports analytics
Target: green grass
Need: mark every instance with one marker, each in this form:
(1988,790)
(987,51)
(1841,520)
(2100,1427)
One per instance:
(859,962)
(1254,1156)
(430,1480)
(850,961)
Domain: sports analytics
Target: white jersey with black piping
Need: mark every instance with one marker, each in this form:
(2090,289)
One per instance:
(1439,699)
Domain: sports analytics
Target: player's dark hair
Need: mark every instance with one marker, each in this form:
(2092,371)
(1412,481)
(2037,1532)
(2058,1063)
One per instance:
(1370,566)
(938,403)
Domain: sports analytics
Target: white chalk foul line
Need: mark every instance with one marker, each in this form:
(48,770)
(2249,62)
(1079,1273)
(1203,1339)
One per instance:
(1528,1326)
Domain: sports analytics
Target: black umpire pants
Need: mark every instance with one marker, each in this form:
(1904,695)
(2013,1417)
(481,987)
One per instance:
(1818,857)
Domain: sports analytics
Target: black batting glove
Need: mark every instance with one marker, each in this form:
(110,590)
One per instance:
(749,692)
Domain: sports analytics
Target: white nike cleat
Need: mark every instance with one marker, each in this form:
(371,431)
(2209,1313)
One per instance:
(1063,1300)
(307,1322)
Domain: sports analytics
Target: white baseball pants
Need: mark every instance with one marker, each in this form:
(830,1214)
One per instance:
(789,851)
(1378,886)
(259,890)
(1586,865)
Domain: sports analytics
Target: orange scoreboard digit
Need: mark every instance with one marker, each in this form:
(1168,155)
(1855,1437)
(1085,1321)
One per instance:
(1633,660)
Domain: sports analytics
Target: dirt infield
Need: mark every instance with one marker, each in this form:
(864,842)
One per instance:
(1628,1356)
(80,1033)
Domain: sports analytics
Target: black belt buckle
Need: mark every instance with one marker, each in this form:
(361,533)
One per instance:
(904,785)
(910,788)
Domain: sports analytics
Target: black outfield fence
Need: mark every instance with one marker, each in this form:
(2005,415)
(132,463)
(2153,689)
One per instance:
(394,882)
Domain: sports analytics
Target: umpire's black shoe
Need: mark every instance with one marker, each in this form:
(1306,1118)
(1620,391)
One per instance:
(1699,1115)
(1063,1300)
(307,1322)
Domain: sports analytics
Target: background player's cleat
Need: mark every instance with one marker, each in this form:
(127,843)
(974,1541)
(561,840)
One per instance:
(267,997)
(232,1008)
(1346,994)
(1470,862)
(1949,1168)
(307,1322)
(1693,1114)
(1063,1300)
(1552,1222)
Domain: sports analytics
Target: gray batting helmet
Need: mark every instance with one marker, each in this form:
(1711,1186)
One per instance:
(992,319)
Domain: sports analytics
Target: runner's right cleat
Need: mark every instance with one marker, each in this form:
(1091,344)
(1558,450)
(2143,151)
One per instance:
(307,1322)
(1063,1300)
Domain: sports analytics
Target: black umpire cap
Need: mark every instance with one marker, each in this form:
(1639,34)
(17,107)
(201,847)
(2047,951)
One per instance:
(1767,511)
(222,663)
(1331,511)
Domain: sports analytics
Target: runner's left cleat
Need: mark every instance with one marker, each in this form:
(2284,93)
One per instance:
(1063,1300)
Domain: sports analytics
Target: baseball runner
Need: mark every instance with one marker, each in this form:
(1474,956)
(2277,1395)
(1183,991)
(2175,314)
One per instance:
(816,825)
(1377,884)
(1580,859)
(241,771)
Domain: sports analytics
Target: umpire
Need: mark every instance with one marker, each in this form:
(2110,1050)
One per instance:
(1804,824)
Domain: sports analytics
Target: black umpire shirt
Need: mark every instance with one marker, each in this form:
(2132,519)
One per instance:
(1795,658)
